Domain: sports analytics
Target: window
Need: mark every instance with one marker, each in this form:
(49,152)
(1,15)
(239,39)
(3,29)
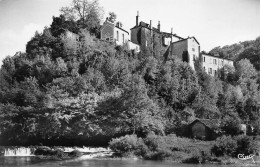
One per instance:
(123,37)
(204,58)
(214,61)
(222,62)
(193,49)
(204,68)
(186,57)
(117,35)
(215,73)
(194,57)
(210,71)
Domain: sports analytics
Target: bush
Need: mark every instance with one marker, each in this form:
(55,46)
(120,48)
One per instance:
(231,125)
(42,150)
(155,147)
(170,142)
(198,156)
(75,153)
(246,145)
(195,159)
(158,155)
(2,150)
(224,145)
(128,145)
(47,152)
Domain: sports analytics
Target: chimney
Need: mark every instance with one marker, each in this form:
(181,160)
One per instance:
(171,43)
(171,35)
(159,26)
(137,17)
(151,28)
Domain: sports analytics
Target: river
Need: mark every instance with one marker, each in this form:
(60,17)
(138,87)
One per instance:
(34,162)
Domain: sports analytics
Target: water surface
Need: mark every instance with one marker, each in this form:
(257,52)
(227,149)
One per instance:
(34,162)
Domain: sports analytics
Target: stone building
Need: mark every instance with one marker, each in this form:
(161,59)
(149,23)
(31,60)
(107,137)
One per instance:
(163,43)
(187,50)
(152,39)
(115,33)
(212,64)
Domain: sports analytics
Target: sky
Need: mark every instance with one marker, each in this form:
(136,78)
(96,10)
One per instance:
(212,22)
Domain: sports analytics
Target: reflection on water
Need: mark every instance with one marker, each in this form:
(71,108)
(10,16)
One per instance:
(34,162)
(123,163)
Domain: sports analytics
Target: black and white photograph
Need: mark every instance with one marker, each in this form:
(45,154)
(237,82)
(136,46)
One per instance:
(129,83)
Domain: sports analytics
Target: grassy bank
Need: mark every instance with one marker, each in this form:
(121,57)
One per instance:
(224,150)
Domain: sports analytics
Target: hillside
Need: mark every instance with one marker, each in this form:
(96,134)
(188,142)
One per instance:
(247,49)
(86,91)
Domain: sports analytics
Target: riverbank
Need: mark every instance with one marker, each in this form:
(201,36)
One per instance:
(224,150)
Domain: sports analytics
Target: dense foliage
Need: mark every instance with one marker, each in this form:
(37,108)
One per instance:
(232,146)
(155,147)
(171,147)
(243,50)
(68,91)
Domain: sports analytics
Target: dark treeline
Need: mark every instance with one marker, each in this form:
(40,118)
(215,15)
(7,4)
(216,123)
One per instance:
(62,91)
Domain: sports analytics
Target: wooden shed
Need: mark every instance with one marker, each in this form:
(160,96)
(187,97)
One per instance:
(203,129)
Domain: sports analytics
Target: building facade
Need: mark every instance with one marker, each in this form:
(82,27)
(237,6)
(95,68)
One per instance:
(152,39)
(115,33)
(149,39)
(145,35)
(203,129)
(212,64)
(187,50)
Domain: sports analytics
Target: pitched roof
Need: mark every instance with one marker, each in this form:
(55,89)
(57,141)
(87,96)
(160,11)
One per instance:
(216,56)
(113,25)
(170,34)
(187,39)
(210,123)
(122,29)
(146,25)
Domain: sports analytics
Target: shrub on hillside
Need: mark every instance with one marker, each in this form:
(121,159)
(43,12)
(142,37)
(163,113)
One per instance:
(231,125)
(197,156)
(51,153)
(246,145)
(128,145)
(75,153)
(224,145)
(156,147)
(175,148)
(171,142)
(2,150)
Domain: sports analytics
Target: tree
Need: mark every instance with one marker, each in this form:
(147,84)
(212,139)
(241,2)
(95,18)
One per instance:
(87,13)
(41,44)
(245,69)
(112,17)
(132,110)
(60,22)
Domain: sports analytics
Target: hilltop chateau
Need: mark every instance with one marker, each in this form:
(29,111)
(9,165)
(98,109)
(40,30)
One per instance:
(143,36)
